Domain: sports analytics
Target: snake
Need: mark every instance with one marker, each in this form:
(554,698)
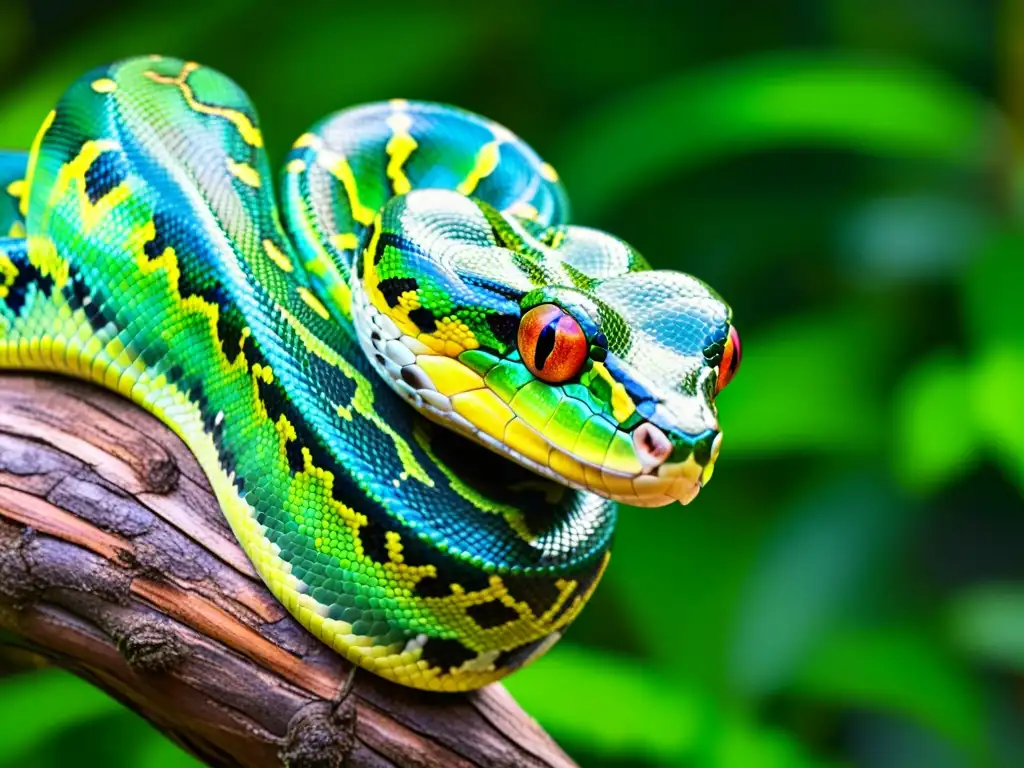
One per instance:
(417,391)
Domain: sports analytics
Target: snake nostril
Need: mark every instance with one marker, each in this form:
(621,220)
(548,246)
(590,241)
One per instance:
(652,446)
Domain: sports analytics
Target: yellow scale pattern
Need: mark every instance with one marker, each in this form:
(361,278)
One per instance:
(50,335)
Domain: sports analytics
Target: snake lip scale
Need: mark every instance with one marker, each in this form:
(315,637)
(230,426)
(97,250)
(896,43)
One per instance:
(326,361)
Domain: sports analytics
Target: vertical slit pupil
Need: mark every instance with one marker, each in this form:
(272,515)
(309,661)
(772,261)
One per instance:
(545,344)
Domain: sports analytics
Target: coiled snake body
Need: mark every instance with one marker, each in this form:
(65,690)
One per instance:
(327,366)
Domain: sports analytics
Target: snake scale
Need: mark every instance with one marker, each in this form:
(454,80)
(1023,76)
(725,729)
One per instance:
(326,361)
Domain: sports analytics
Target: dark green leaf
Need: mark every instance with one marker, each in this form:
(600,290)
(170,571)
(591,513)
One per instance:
(988,623)
(811,574)
(902,672)
(657,131)
(936,436)
(37,706)
(809,384)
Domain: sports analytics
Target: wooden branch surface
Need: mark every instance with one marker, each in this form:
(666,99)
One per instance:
(117,564)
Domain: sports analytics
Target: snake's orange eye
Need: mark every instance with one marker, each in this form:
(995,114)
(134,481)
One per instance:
(551,343)
(730,360)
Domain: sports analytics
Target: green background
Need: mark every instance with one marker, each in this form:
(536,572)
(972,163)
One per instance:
(849,590)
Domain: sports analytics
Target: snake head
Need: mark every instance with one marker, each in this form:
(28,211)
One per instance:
(557,347)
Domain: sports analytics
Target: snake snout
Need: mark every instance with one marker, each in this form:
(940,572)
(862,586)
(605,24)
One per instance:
(696,454)
(676,463)
(690,461)
(676,436)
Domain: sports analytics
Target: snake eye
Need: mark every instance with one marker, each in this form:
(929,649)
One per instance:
(552,343)
(730,360)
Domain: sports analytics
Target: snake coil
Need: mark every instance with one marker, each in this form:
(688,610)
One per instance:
(327,366)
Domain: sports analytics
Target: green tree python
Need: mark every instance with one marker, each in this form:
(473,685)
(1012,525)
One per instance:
(326,362)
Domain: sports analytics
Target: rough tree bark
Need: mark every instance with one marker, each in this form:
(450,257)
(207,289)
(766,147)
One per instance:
(116,563)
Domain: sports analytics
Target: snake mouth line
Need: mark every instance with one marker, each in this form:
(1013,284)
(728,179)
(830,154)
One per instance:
(397,357)
(681,484)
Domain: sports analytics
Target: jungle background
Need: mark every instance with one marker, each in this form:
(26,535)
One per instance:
(849,590)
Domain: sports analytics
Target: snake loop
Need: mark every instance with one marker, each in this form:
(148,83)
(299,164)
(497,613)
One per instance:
(327,363)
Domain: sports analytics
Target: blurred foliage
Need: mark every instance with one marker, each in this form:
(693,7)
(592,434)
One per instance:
(850,588)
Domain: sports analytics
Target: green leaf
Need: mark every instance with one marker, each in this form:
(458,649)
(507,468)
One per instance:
(949,413)
(936,439)
(157,751)
(426,48)
(811,383)
(881,108)
(13,32)
(23,107)
(741,743)
(991,293)
(48,712)
(910,239)
(997,404)
(900,672)
(39,705)
(988,623)
(681,571)
(612,705)
(812,573)
(609,703)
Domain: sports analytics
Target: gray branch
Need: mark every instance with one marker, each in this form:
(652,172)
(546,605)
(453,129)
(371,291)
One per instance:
(117,564)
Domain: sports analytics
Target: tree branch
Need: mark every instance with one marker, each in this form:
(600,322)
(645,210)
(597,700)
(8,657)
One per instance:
(116,563)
